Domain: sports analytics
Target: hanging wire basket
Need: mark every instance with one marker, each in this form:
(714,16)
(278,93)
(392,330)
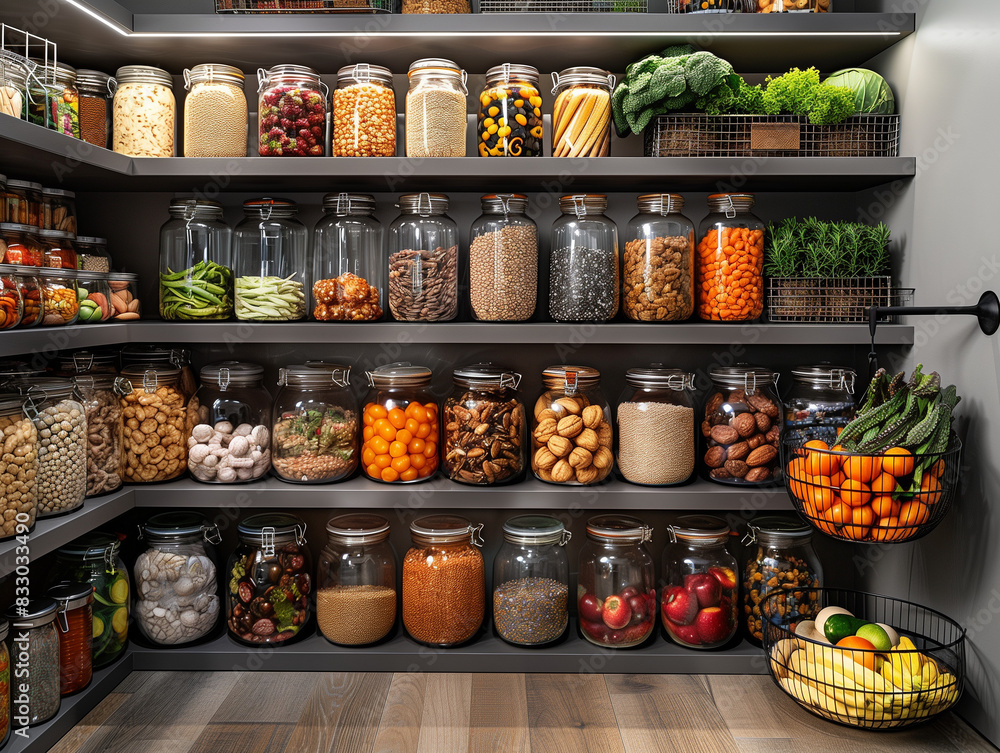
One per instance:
(255,7)
(832,299)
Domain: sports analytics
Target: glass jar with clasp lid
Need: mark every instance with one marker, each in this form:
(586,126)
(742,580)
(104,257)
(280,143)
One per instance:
(510,112)
(37,652)
(583,261)
(820,402)
(436,109)
(503,260)
(423,260)
(75,623)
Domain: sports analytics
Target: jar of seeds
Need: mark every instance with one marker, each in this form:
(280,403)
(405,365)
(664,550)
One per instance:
(215,112)
(97,91)
(503,260)
(583,261)
(436,109)
(364,112)
(34,634)
(92,254)
(423,260)
(658,265)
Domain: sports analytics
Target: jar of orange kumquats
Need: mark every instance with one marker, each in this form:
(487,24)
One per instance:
(729,262)
(400,425)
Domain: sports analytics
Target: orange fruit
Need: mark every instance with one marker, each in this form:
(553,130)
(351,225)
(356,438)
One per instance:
(417,412)
(415,446)
(367,418)
(914,514)
(376,411)
(854,493)
(898,461)
(884,483)
(937,470)
(383,461)
(379,445)
(412,425)
(885,507)
(397,418)
(819,462)
(373,470)
(388,474)
(400,464)
(863,651)
(368,432)
(404,436)
(430,450)
(367,457)
(408,475)
(422,430)
(886,530)
(822,497)
(397,449)
(417,460)
(861,468)
(838,479)
(861,518)
(385,429)
(930,489)
(839,514)
(809,510)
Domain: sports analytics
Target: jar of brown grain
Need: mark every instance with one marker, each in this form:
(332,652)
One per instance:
(364,112)
(215,112)
(658,270)
(97,91)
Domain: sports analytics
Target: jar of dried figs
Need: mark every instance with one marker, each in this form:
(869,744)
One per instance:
(658,264)
(59,210)
(101,395)
(742,425)
(571,435)
(820,402)
(215,112)
(156,424)
(729,264)
(364,112)
(503,260)
(423,260)
(484,427)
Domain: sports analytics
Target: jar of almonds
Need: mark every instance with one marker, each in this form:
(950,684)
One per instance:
(571,435)
(156,424)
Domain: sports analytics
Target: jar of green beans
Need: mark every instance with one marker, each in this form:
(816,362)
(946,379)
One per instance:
(196,276)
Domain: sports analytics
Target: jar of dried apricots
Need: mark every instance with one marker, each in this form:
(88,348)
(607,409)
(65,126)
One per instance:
(729,263)
(400,425)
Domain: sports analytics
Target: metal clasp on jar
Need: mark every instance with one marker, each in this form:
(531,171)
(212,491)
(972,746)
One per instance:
(267,541)
(224,378)
(566,536)
(475,535)
(213,535)
(511,380)
(570,382)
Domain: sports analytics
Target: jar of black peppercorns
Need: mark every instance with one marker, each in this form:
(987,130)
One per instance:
(583,261)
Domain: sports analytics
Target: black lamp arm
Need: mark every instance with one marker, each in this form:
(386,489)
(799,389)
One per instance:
(987,311)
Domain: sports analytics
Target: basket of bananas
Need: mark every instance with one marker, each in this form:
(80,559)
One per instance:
(866,661)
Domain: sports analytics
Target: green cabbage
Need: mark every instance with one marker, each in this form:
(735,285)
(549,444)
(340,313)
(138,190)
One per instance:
(871,92)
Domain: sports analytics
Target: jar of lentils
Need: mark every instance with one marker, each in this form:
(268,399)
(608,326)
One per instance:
(291,112)
(436,109)
(18,467)
(364,112)
(583,261)
(143,112)
(215,112)
(510,112)
(34,628)
(503,260)
(658,264)
(423,260)
(97,92)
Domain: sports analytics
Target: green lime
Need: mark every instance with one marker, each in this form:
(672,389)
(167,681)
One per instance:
(98,626)
(876,636)
(119,591)
(120,620)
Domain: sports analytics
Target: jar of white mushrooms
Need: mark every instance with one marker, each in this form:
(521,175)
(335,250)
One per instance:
(143,112)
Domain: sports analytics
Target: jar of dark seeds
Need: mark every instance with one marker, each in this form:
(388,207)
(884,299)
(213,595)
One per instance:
(583,261)
(820,402)
(34,643)
(531,581)
(423,260)
(503,260)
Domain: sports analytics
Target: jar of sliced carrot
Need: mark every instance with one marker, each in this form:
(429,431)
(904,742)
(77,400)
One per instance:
(400,434)
(729,263)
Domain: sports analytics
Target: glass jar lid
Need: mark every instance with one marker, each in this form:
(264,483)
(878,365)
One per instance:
(176,527)
(657,376)
(358,528)
(135,355)
(82,361)
(91,240)
(143,74)
(25,184)
(349,203)
(56,273)
(660,203)
(149,378)
(59,192)
(777,529)
(87,383)
(530,530)
(61,235)
(39,612)
(506,72)
(16,227)
(13,269)
(11,403)
(446,529)
(86,275)
(581,74)
(570,378)
(826,375)
(235,373)
(441,65)
(269,528)
(583,204)
(399,374)
(424,204)
(69,596)
(15,370)
(731,202)
(505,203)
(123,276)
(699,529)
(98,545)
(742,375)
(51,388)
(314,374)
(618,529)
(95,81)
(195,209)
(267,208)
(208,73)
(363,73)
(486,375)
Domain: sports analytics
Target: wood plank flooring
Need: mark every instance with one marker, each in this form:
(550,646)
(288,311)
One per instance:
(313,712)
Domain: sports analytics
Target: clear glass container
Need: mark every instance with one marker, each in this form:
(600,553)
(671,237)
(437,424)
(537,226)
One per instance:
(400,434)
(231,440)
(196,276)
(820,402)
(13,96)
(23,206)
(75,624)
(143,112)
(92,254)
(30,288)
(215,112)
(36,644)
(510,112)
(54,101)
(700,592)
(5,673)
(291,112)
(742,425)
(423,260)
(780,556)
(125,302)
(616,584)
(583,261)
(59,210)
(267,598)
(156,425)
(101,398)
(444,581)
(485,436)
(656,426)
(176,584)
(79,362)
(156,357)
(531,581)
(356,581)
(60,301)
(269,257)
(571,434)
(729,266)
(364,112)
(436,108)
(18,468)
(94,294)
(503,260)
(95,558)
(349,266)
(97,93)
(589,91)
(11,303)
(20,245)
(315,424)
(658,263)
(57,248)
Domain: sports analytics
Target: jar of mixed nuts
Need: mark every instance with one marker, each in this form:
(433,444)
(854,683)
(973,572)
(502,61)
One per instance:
(571,435)
(19,244)
(510,112)
(581,113)
(444,581)
(781,556)
(291,112)
(94,294)
(364,112)
(503,260)
(269,580)
(39,682)
(349,268)
(57,249)
(143,112)
(156,424)
(18,467)
(658,265)
(97,92)
(125,302)
(92,254)
(59,210)
(215,112)
(356,581)
(729,265)
(101,398)
(531,581)
(485,428)
(820,402)
(11,303)
(436,109)
(583,261)
(423,260)
(75,623)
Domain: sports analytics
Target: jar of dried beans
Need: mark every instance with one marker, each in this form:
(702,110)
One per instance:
(156,424)
(583,261)
(485,430)
(423,260)
(57,247)
(349,267)
(510,113)
(444,581)
(356,581)
(92,254)
(291,112)
(656,426)
(503,260)
(571,435)
(315,424)
(19,244)
(101,398)
(364,112)
(820,402)
(581,113)
(59,296)
(75,623)
(11,303)
(658,273)
(36,643)
(436,109)
(18,467)
(59,210)
(97,92)
(215,112)
(729,265)
(742,425)
(400,425)
(143,112)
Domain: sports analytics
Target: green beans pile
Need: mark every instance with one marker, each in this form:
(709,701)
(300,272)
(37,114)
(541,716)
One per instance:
(270,298)
(204,291)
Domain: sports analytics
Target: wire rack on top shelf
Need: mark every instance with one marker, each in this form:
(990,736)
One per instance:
(748,6)
(832,299)
(563,6)
(303,6)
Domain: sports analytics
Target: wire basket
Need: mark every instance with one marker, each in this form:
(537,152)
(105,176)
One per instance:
(748,6)
(700,135)
(832,299)
(918,679)
(303,6)
(563,6)
(886,498)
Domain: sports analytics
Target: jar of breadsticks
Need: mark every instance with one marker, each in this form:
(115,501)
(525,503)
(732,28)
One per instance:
(156,424)
(581,115)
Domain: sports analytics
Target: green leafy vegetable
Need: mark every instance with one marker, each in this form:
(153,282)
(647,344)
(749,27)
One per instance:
(800,92)
(872,94)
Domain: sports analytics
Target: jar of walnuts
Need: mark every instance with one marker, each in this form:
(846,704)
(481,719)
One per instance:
(658,276)
(156,424)
(571,435)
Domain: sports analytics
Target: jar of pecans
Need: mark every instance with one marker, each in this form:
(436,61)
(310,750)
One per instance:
(97,91)
(215,112)
(658,264)
(436,109)
(503,260)
(510,113)
(144,110)
(423,260)
(364,112)
(156,424)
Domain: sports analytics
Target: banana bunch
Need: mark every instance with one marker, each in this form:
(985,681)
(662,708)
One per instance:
(906,685)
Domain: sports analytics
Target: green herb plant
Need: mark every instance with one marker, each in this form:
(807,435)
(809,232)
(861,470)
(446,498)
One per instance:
(816,248)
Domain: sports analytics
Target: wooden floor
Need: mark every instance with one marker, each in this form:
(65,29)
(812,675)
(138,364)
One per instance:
(271,712)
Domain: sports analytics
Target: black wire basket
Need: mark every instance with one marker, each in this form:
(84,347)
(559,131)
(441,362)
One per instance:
(918,679)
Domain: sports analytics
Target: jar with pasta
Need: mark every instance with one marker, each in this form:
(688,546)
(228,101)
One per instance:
(729,264)
(215,112)
(11,304)
(23,203)
(20,245)
(436,109)
(57,249)
(657,268)
(423,260)
(101,398)
(291,112)
(97,92)
(18,467)
(581,114)
(510,113)
(156,424)
(59,210)
(144,111)
(60,300)
(364,112)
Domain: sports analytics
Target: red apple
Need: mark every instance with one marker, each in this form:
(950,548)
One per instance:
(683,634)
(638,633)
(615,612)
(705,587)
(714,625)
(639,607)
(590,608)
(628,592)
(595,630)
(615,637)
(680,606)
(725,576)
